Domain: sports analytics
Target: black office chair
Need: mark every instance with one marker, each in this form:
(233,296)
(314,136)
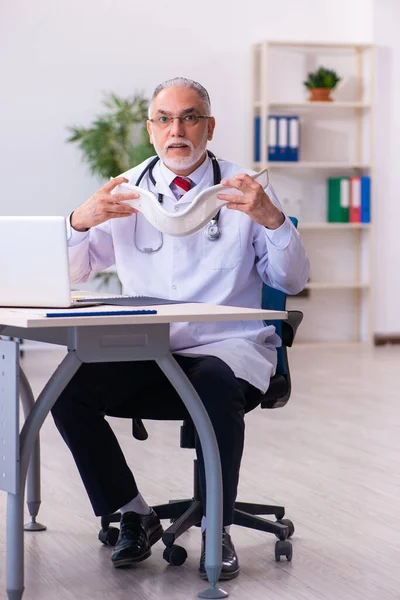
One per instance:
(188,512)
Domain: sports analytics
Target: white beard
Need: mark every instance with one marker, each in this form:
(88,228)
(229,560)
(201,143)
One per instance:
(184,162)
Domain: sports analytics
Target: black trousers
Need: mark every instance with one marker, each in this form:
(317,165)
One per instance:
(140,389)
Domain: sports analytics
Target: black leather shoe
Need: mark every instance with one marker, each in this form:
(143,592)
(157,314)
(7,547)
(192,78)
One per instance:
(230,563)
(136,536)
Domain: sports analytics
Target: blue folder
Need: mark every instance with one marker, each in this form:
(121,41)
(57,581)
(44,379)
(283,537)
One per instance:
(274,151)
(365,199)
(283,138)
(257,139)
(293,139)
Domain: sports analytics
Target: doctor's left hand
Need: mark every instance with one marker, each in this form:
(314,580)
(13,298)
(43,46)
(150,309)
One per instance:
(253,201)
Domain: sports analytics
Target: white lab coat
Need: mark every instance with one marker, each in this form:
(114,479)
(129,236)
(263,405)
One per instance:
(228,271)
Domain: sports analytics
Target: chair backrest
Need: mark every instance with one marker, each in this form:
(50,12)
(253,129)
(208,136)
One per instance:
(276,300)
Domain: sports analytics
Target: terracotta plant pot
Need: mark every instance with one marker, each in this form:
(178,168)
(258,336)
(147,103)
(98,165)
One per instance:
(320,95)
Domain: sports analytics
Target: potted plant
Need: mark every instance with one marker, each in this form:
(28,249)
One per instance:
(320,83)
(116,141)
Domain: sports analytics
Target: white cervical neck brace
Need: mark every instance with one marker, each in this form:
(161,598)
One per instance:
(203,208)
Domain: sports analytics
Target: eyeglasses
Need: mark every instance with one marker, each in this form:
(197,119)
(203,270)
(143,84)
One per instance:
(190,120)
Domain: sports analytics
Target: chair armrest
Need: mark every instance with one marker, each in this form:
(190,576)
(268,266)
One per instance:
(289,327)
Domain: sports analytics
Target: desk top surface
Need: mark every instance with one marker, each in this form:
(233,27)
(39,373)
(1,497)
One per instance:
(171,313)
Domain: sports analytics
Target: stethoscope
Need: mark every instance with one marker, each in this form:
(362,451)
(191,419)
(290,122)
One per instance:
(212,230)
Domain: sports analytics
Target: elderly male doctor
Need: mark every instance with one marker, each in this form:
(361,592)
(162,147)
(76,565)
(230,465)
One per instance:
(224,361)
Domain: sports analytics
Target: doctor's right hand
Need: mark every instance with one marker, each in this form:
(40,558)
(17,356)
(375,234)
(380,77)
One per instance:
(102,206)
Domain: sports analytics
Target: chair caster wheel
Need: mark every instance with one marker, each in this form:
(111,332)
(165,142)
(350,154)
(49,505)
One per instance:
(109,536)
(283,548)
(288,524)
(175,555)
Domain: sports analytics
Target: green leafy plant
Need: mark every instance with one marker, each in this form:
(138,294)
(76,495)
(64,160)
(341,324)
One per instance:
(322,78)
(117,140)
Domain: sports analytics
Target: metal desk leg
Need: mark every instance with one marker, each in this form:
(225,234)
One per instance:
(9,465)
(212,467)
(33,498)
(28,437)
(15,546)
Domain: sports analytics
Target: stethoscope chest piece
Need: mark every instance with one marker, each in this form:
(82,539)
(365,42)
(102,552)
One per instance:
(213,231)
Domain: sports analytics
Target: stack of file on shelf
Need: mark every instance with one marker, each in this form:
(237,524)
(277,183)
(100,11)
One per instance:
(349,199)
(283,138)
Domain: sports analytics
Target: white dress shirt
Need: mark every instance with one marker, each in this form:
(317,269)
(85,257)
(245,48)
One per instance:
(228,271)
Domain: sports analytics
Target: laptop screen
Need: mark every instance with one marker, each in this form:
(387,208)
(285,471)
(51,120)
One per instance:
(34,262)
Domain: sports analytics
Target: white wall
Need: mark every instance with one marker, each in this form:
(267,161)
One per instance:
(387,170)
(57,58)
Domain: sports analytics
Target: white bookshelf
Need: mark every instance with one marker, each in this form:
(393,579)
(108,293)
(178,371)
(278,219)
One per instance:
(336,138)
(314,105)
(334,226)
(336,286)
(328,165)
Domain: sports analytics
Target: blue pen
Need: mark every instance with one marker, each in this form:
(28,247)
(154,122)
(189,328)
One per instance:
(102,313)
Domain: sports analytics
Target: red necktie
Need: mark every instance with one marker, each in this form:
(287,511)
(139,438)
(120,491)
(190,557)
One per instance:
(184,184)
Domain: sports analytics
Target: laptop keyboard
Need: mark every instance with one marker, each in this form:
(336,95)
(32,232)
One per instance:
(126,300)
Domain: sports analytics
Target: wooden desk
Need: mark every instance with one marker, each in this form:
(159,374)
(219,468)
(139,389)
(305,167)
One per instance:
(97,339)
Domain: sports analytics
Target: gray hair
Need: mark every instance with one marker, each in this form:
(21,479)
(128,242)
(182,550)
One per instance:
(183,82)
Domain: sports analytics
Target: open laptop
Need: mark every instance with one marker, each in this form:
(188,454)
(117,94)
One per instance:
(34,269)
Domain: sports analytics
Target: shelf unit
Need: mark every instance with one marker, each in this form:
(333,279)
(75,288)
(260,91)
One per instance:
(331,165)
(336,139)
(336,286)
(335,226)
(307,105)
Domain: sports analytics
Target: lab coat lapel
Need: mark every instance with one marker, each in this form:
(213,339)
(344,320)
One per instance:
(161,186)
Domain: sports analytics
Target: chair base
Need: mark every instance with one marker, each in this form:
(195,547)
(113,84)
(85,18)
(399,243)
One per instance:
(282,528)
(186,513)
